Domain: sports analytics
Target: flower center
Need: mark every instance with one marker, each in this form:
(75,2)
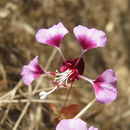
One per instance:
(62,78)
(76,66)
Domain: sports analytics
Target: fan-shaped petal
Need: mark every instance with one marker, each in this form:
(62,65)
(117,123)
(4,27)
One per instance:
(31,71)
(105,87)
(89,38)
(52,36)
(72,124)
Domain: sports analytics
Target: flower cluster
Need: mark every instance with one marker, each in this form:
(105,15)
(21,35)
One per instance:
(73,124)
(71,70)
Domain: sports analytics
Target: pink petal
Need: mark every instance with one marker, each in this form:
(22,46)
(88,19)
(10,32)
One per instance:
(93,128)
(52,36)
(105,87)
(31,71)
(89,38)
(72,124)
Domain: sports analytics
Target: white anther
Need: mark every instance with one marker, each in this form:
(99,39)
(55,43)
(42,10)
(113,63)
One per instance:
(63,77)
(44,94)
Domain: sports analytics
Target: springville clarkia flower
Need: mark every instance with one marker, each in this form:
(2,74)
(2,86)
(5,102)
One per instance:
(71,70)
(73,124)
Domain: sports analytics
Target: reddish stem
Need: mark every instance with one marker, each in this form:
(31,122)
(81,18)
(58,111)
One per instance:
(79,59)
(67,97)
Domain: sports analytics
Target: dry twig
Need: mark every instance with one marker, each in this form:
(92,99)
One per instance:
(82,112)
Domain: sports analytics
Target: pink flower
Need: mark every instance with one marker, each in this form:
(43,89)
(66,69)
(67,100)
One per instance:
(31,71)
(89,38)
(105,87)
(72,70)
(53,35)
(73,124)
(92,128)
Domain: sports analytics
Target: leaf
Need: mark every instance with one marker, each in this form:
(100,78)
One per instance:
(70,111)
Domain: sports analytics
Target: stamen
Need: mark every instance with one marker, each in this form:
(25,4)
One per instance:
(44,94)
(63,77)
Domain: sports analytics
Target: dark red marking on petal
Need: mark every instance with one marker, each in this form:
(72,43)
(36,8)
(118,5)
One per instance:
(55,40)
(86,43)
(38,71)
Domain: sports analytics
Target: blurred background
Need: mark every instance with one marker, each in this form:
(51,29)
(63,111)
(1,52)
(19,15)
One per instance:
(20,107)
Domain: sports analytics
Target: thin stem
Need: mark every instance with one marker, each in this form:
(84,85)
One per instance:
(62,55)
(81,55)
(21,116)
(82,112)
(26,101)
(67,95)
(87,79)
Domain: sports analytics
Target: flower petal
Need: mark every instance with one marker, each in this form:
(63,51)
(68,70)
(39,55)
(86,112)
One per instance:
(31,71)
(89,38)
(93,128)
(105,87)
(53,35)
(72,124)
